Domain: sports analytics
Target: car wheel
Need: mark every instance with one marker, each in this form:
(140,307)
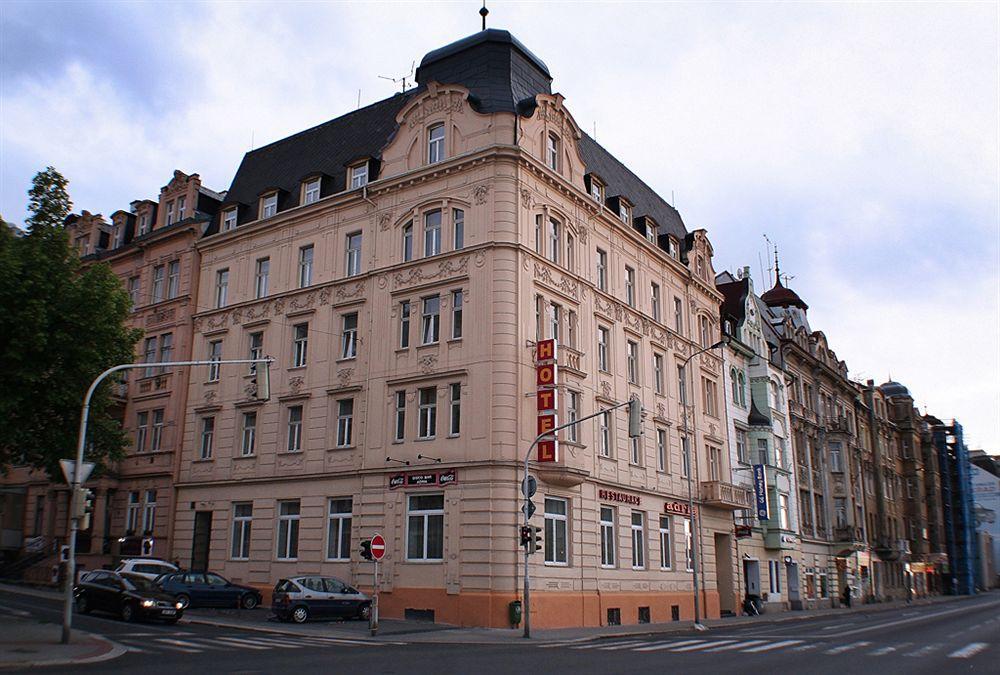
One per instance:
(249,601)
(183,600)
(82,605)
(128,612)
(365,613)
(300,614)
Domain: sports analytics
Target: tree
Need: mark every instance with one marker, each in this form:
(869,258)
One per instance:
(61,325)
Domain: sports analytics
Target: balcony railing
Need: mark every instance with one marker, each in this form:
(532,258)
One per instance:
(726,495)
(837,425)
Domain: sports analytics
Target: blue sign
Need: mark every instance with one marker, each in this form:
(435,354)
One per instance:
(760,490)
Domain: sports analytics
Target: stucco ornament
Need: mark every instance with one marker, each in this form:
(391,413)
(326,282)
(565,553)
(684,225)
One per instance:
(480,193)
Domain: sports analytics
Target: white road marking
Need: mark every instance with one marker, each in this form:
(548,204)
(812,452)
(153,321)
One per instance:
(738,645)
(691,648)
(135,649)
(889,650)
(666,645)
(601,645)
(180,645)
(621,645)
(773,645)
(846,648)
(968,650)
(924,651)
(804,648)
(923,617)
(240,642)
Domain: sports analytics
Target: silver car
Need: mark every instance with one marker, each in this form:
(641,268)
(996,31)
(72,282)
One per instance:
(299,599)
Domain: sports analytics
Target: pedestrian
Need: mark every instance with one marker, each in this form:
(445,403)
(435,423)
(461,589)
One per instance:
(847,596)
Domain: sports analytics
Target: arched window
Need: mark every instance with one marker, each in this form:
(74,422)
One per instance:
(735,386)
(743,390)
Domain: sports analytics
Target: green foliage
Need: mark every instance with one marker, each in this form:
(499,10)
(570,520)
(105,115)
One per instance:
(61,325)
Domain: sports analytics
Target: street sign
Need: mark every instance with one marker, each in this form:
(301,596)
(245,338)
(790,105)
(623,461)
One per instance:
(531,510)
(69,466)
(529,486)
(378,547)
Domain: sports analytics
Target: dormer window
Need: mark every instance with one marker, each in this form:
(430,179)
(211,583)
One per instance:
(650,233)
(435,144)
(359,175)
(597,190)
(180,208)
(170,213)
(119,233)
(625,213)
(672,247)
(229,220)
(269,205)
(143,224)
(310,191)
(552,152)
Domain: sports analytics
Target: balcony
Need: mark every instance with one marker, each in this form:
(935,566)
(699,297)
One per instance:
(726,495)
(892,549)
(780,540)
(849,538)
(837,425)
(154,384)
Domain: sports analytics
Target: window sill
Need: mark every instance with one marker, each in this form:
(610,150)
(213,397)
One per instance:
(302,367)
(424,440)
(556,564)
(254,456)
(402,350)
(284,453)
(337,560)
(436,343)
(202,460)
(343,359)
(432,561)
(454,340)
(343,447)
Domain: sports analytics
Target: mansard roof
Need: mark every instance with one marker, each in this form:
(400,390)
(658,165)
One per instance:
(780,296)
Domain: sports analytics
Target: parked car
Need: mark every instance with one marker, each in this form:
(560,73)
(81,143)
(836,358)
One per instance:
(150,568)
(128,596)
(207,589)
(302,598)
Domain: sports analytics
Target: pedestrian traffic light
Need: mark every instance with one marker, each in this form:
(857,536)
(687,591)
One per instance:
(147,547)
(261,381)
(525,535)
(366,549)
(535,540)
(634,418)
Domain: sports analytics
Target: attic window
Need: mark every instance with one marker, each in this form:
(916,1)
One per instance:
(359,176)
(170,213)
(650,233)
(435,144)
(269,205)
(143,224)
(552,152)
(625,213)
(672,247)
(119,235)
(311,191)
(597,190)
(180,208)
(229,220)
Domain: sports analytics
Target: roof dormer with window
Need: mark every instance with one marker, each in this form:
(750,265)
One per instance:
(594,186)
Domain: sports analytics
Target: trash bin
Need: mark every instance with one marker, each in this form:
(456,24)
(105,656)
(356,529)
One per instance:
(514,610)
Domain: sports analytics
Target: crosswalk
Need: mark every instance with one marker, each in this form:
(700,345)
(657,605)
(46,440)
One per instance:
(182,642)
(715,645)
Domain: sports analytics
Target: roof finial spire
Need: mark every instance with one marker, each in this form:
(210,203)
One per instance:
(777,270)
(483,12)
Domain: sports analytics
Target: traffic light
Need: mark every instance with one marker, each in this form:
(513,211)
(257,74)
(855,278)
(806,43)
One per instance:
(147,547)
(525,535)
(634,418)
(366,549)
(535,540)
(88,508)
(261,381)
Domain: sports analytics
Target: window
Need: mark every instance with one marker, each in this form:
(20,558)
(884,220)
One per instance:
(359,176)
(714,463)
(625,213)
(783,521)
(207,437)
(221,287)
(133,291)
(681,385)
(180,207)
(149,356)
(774,572)
(353,262)
(741,446)
(249,434)
(658,373)
(638,540)
(294,428)
(603,337)
(570,252)
(596,190)
(650,233)
(425,527)
(305,265)
(630,286)
(654,294)
(604,433)
(143,224)
(428,413)
(703,334)
(141,431)
(158,283)
(170,213)
(539,246)
(836,458)
(404,324)
(607,537)
(149,511)
(555,240)
(661,450)
(242,526)
(400,426)
(685,457)
(228,220)
(261,278)
(762,454)
(458,221)
(431,320)
(256,349)
(571,329)
(457,299)
(556,552)
(539,311)
(300,344)
(166,349)
(602,270)
(156,437)
(173,279)
(408,242)
(288,530)
(349,336)
(672,248)
(742,389)
(710,394)
(678,315)
(572,415)
(338,529)
(688,545)
(666,552)
(632,361)
(345,423)
(552,151)
(734,385)
(455,424)
(435,143)
(432,233)
(555,319)
(214,355)
(635,451)
(269,205)
(132,512)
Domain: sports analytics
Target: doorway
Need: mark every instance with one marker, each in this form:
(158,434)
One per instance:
(794,599)
(751,575)
(202,540)
(724,573)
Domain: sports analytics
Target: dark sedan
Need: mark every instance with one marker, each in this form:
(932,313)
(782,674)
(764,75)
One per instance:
(128,596)
(207,589)
(302,598)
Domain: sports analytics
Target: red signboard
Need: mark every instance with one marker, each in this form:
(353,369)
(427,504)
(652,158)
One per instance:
(546,376)
(546,399)
(546,423)
(546,451)
(680,508)
(378,547)
(545,350)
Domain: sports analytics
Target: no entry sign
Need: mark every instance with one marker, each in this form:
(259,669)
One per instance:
(378,547)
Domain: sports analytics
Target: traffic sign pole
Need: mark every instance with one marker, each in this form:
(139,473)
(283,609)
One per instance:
(378,547)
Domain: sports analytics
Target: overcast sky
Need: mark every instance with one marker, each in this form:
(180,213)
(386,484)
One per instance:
(861,138)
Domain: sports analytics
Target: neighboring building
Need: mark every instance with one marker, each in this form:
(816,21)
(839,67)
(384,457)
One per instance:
(759,434)
(986,505)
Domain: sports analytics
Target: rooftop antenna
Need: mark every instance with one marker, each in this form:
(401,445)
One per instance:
(483,12)
(359,98)
(402,79)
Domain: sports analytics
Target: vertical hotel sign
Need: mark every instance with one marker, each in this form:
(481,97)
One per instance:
(760,491)
(546,371)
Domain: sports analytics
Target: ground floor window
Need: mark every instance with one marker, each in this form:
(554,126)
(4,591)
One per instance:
(607,536)
(242,524)
(774,571)
(425,527)
(288,530)
(338,537)
(556,549)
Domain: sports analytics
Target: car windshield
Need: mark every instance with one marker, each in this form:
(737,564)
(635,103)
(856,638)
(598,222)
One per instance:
(134,583)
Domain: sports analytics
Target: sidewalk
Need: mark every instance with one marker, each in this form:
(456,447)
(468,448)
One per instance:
(27,642)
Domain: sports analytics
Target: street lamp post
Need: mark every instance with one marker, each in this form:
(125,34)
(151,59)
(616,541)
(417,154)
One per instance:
(686,449)
(81,441)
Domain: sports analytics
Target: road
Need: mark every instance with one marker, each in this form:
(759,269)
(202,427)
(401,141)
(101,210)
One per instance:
(962,635)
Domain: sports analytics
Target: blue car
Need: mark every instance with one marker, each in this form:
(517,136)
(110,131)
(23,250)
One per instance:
(207,589)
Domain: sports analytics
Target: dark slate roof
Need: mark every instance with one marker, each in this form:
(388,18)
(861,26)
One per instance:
(493,65)
(780,296)
(893,388)
(619,180)
(734,295)
(757,418)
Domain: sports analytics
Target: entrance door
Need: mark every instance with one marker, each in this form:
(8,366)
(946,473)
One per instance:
(751,576)
(202,540)
(724,573)
(794,599)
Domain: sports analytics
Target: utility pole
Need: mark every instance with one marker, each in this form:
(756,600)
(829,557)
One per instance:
(263,393)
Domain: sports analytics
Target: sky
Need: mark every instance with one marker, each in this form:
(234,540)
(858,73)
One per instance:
(861,138)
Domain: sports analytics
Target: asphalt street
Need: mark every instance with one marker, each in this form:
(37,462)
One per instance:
(950,637)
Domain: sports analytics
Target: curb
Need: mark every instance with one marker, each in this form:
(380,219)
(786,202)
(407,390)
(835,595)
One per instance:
(279,631)
(114,650)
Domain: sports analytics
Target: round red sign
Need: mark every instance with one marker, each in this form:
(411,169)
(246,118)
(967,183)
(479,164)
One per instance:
(378,547)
